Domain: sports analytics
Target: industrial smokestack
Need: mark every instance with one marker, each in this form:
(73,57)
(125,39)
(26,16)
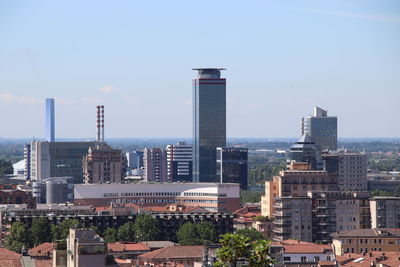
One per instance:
(98,125)
(102,123)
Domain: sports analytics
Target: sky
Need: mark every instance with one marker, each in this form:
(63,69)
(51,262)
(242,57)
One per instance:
(136,58)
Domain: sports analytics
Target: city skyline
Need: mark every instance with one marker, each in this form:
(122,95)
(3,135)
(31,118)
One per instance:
(136,59)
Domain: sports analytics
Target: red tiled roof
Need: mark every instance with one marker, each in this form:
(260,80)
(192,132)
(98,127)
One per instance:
(44,263)
(9,258)
(43,250)
(390,259)
(175,252)
(123,247)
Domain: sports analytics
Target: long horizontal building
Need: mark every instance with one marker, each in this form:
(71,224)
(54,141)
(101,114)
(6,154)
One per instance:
(216,197)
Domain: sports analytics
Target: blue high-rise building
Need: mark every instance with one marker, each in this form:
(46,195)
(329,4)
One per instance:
(209,122)
(50,120)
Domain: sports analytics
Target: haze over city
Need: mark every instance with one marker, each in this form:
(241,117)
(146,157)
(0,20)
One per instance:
(136,58)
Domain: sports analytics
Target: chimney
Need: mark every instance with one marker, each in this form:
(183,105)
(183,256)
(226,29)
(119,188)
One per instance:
(98,124)
(102,123)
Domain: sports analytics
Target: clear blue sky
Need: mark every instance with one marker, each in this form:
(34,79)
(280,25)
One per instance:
(135,57)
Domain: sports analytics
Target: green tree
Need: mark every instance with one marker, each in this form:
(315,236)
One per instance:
(251,233)
(196,234)
(250,196)
(125,233)
(6,167)
(40,230)
(146,228)
(234,247)
(111,235)
(18,238)
(237,247)
(61,232)
(259,255)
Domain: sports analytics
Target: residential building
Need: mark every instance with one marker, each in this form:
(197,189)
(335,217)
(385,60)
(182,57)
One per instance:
(232,165)
(50,120)
(104,164)
(215,197)
(296,181)
(180,162)
(338,210)
(352,173)
(366,240)
(155,165)
(385,212)
(10,258)
(305,150)
(58,159)
(135,159)
(169,218)
(372,259)
(293,218)
(322,129)
(85,248)
(299,253)
(209,122)
(16,196)
(173,256)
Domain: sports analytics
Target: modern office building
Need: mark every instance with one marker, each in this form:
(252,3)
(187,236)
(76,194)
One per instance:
(293,219)
(385,212)
(180,162)
(155,164)
(58,159)
(232,165)
(322,129)
(211,196)
(50,120)
(135,159)
(209,122)
(305,150)
(104,164)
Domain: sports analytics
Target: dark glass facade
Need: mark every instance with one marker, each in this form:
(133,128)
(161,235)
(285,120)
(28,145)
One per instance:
(66,159)
(209,123)
(232,166)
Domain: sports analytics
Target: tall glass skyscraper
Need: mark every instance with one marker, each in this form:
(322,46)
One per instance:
(50,121)
(209,122)
(322,129)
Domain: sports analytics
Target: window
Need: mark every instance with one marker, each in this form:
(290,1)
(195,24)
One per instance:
(303,259)
(316,258)
(286,258)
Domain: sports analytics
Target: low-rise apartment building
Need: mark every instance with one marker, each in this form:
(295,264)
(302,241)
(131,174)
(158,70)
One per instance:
(385,212)
(365,240)
(293,218)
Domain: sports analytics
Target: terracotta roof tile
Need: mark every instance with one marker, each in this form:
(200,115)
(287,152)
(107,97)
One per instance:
(43,250)
(44,263)
(9,258)
(175,252)
(122,247)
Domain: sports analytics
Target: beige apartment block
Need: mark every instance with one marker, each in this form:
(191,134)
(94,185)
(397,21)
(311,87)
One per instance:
(366,240)
(296,183)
